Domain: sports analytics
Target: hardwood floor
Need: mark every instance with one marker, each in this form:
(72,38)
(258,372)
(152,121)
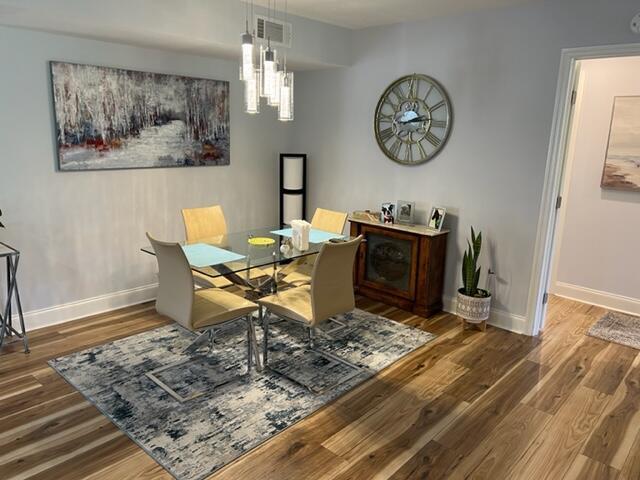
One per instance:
(492,405)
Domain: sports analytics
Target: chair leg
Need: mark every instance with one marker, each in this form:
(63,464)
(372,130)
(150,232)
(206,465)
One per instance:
(265,335)
(200,340)
(254,343)
(249,345)
(312,337)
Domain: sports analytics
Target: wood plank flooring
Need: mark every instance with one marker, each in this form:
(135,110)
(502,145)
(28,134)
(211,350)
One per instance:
(492,405)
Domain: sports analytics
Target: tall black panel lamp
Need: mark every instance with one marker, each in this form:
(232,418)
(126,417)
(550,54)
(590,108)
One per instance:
(293,187)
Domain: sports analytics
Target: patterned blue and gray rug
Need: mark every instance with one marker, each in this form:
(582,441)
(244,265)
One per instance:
(193,439)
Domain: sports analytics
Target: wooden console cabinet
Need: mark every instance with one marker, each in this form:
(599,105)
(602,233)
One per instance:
(401,265)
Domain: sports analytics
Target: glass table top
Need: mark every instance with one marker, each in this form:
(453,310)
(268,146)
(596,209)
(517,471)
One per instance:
(238,252)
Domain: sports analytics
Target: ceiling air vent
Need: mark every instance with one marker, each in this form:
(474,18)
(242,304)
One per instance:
(279,32)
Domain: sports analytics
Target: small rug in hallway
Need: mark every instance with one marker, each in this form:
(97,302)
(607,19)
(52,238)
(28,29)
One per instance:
(618,328)
(194,439)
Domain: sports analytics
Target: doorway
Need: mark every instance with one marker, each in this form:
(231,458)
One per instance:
(558,181)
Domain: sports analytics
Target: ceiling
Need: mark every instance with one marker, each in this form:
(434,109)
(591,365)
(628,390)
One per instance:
(357,14)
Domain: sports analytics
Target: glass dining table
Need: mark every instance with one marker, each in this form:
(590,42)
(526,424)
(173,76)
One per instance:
(235,254)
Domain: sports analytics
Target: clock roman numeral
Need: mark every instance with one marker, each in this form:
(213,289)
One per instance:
(433,140)
(398,92)
(439,123)
(395,148)
(427,94)
(413,87)
(437,105)
(408,155)
(386,134)
(383,117)
(423,154)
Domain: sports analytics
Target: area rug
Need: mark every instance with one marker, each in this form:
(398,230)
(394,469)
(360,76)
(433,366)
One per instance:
(194,439)
(618,328)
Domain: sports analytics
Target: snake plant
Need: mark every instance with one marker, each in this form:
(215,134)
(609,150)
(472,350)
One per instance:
(470,269)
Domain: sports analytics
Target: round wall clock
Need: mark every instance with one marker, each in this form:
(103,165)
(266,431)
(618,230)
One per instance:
(413,119)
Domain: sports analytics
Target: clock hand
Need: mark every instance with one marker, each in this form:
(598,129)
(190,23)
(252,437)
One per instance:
(421,118)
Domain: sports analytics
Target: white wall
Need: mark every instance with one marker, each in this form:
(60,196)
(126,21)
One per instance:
(500,68)
(80,232)
(596,257)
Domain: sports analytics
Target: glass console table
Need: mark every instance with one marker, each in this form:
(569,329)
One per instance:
(12,256)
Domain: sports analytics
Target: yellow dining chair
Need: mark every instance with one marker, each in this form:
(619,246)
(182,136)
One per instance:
(202,311)
(328,220)
(208,225)
(329,293)
(298,272)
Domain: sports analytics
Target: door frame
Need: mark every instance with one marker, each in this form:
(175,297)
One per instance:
(556,158)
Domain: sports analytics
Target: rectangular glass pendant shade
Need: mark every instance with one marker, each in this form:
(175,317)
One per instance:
(285,109)
(246,62)
(252,93)
(292,207)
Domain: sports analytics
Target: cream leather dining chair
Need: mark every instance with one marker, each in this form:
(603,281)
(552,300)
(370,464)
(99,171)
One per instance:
(330,293)
(298,272)
(202,311)
(208,225)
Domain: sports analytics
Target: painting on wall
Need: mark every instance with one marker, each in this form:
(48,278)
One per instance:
(109,118)
(622,163)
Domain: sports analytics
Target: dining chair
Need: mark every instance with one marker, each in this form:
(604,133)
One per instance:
(330,293)
(202,311)
(298,272)
(208,225)
(328,220)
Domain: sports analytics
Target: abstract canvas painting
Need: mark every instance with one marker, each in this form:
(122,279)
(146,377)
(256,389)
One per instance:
(109,118)
(622,163)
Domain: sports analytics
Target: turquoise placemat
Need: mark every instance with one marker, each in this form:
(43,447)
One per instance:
(315,236)
(203,255)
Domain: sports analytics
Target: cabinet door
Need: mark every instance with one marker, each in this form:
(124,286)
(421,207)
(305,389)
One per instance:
(389,261)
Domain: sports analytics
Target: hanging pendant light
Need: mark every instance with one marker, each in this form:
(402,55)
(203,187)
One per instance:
(252,93)
(247,56)
(268,71)
(274,96)
(285,109)
(267,77)
(246,62)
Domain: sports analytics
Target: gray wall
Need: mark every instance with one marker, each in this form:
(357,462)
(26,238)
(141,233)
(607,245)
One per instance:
(500,68)
(80,233)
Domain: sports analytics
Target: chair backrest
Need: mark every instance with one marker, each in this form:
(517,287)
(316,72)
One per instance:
(175,289)
(203,223)
(332,280)
(329,220)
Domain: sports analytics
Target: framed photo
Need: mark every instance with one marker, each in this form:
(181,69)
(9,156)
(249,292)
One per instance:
(387,213)
(436,218)
(405,212)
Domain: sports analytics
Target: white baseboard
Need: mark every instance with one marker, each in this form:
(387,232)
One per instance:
(84,308)
(499,318)
(610,301)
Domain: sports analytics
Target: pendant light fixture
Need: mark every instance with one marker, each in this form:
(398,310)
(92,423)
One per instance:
(246,61)
(285,109)
(269,78)
(269,70)
(252,93)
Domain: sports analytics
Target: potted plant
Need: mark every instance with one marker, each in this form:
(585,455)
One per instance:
(1,225)
(474,304)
